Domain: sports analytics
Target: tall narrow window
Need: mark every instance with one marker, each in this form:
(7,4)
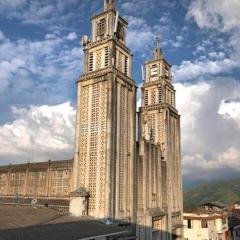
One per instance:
(204,223)
(189,223)
(126,66)
(98,60)
(121,61)
(146,98)
(153,97)
(90,64)
(160,94)
(101,27)
(106,60)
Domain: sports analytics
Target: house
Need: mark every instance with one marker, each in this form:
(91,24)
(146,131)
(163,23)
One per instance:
(202,225)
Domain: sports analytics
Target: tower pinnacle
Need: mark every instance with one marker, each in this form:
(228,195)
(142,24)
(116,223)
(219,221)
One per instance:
(109,5)
(157,51)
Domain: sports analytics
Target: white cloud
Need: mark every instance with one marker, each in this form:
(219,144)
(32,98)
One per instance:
(200,168)
(38,72)
(210,128)
(221,17)
(38,133)
(211,14)
(8,69)
(230,109)
(139,33)
(189,102)
(72,36)
(47,14)
(188,70)
(12,5)
(1,35)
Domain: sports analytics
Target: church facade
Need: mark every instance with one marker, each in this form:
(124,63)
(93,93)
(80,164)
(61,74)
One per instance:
(127,165)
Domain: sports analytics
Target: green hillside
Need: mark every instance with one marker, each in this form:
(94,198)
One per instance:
(227,191)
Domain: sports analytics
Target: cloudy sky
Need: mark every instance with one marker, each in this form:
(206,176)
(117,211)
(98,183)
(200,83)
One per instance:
(41,58)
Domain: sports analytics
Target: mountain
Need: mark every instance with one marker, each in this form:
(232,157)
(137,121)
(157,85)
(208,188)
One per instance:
(225,191)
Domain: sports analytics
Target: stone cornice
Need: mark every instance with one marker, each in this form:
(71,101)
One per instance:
(149,84)
(106,40)
(159,107)
(37,165)
(157,60)
(105,71)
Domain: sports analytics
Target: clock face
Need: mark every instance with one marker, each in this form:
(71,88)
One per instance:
(154,71)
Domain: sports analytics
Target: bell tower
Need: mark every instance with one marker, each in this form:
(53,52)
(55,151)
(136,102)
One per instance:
(160,124)
(104,162)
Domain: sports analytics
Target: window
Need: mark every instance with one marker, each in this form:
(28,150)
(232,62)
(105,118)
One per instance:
(160,94)
(98,59)
(126,66)
(153,97)
(106,60)
(189,223)
(121,61)
(101,27)
(204,223)
(146,98)
(90,64)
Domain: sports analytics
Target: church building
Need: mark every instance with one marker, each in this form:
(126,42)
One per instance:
(127,164)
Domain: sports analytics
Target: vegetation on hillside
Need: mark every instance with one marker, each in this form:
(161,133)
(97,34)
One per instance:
(227,192)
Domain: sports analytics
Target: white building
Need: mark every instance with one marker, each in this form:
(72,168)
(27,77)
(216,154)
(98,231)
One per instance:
(205,226)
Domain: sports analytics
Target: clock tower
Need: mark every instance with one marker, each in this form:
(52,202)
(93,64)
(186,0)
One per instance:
(160,125)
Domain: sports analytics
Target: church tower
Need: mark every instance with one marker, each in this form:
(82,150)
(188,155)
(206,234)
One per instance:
(104,162)
(160,125)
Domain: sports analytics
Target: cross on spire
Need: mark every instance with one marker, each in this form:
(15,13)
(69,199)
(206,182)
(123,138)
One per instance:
(157,42)
(157,51)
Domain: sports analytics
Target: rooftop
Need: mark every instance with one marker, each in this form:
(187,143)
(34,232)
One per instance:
(41,223)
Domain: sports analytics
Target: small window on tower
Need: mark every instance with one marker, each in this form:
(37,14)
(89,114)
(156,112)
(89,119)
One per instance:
(98,60)
(160,94)
(126,66)
(146,98)
(90,64)
(106,61)
(154,70)
(101,27)
(153,96)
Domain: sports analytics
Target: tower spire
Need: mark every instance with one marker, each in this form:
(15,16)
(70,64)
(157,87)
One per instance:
(157,51)
(109,5)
